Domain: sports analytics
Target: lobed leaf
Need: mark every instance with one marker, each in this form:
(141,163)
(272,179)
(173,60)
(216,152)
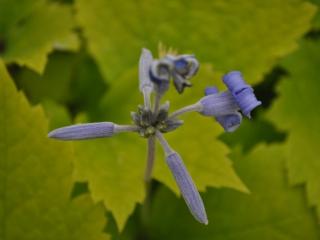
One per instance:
(249,35)
(36,177)
(273,210)
(30,29)
(296,112)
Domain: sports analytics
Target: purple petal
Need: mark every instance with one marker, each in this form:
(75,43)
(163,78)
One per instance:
(144,67)
(218,104)
(242,92)
(210,90)
(234,81)
(160,74)
(247,101)
(187,187)
(83,131)
(230,122)
(186,65)
(181,66)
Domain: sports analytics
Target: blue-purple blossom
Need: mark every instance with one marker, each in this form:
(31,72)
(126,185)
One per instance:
(210,90)
(230,121)
(218,104)
(152,120)
(178,68)
(160,74)
(242,92)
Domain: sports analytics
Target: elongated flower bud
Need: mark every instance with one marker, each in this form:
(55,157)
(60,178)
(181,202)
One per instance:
(144,68)
(242,92)
(84,131)
(218,104)
(187,187)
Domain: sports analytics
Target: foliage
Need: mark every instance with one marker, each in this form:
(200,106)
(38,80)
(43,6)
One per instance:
(36,177)
(273,210)
(295,112)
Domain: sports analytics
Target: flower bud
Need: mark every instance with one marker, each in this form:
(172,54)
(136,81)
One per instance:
(144,67)
(83,131)
(187,187)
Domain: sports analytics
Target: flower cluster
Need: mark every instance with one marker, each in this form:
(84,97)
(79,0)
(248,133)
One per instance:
(152,120)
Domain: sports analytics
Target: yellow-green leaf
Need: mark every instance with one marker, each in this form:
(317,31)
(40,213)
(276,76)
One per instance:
(36,177)
(297,111)
(316,20)
(273,210)
(249,35)
(30,29)
(114,171)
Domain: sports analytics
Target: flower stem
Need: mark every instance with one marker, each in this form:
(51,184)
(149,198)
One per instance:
(165,145)
(125,128)
(150,159)
(191,108)
(145,214)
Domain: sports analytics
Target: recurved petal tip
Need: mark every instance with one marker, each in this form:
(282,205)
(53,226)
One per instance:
(187,187)
(247,101)
(83,131)
(234,81)
(242,92)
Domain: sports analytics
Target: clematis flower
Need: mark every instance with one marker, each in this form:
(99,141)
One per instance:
(179,68)
(152,120)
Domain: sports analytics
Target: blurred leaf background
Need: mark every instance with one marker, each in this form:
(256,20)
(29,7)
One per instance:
(70,61)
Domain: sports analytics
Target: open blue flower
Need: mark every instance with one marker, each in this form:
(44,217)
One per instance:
(152,119)
(241,91)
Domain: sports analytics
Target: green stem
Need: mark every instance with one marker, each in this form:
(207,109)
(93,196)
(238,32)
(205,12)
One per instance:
(150,159)
(146,208)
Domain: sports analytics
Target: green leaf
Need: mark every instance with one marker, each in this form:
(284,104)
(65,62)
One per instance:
(296,111)
(55,82)
(57,114)
(316,20)
(273,210)
(114,170)
(249,36)
(253,132)
(36,177)
(30,29)
(71,79)
(122,159)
